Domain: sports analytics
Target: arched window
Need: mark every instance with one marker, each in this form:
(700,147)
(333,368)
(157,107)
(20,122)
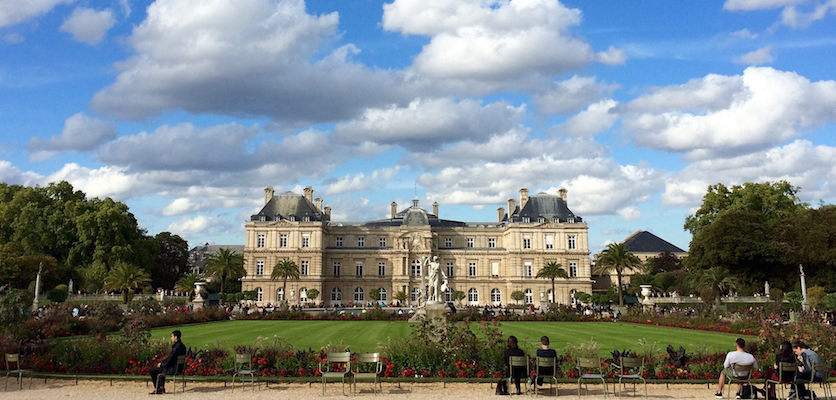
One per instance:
(473,295)
(279,294)
(496,296)
(382,292)
(359,295)
(529,296)
(448,295)
(336,294)
(414,294)
(259,294)
(303,294)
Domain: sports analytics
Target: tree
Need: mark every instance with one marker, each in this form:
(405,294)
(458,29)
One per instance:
(400,296)
(617,258)
(794,299)
(552,270)
(283,270)
(12,307)
(186,284)
(714,282)
(517,296)
(126,278)
(457,295)
(170,259)
(312,294)
(664,262)
(374,294)
(224,264)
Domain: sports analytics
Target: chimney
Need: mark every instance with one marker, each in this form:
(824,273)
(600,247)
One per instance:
(318,203)
(512,205)
(394,209)
(500,213)
(523,197)
(268,194)
(309,193)
(562,194)
(435,208)
(328,211)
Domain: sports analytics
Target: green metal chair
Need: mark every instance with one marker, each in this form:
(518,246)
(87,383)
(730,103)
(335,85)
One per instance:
(180,371)
(824,384)
(334,368)
(631,368)
(517,362)
(741,374)
(786,376)
(243,365)
(367,362)
(546,362)
(584,366)
(14,358)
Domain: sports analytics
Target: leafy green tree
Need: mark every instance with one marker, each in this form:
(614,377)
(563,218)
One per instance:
(794,299)
(312,295)
(283,270)
(552,270)
(126,278)
(815,295)
(224,264)
(456,295)
(186,284)
(617,258)
(400,296)
(374,295)
(517,296)
(712,283)
(809,239)
(13,309)
(93,276)
(170,259)
(583,297)
(664,262)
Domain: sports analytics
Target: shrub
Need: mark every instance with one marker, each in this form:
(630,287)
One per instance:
(57,295)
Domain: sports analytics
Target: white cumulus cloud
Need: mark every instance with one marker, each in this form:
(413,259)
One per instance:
(757,57)
(80,133)
(571,95)
(88,25)
(16,11)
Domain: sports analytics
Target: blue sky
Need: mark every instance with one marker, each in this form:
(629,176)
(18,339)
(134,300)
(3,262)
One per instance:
(187,110)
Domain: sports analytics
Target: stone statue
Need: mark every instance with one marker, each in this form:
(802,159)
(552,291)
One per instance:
(437,282)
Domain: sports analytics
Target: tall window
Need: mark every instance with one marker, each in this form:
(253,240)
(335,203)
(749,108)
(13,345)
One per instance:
(550,296)
(259,267)
(415,268)
(529,296)
(337,268)
(496,296)
(280,294)
(495,269)
(573,269)
(527,269)
(526,242)
(541,220)
(570,220)
(359,295)
(470,243)
(448,295)
(549,242)
(306,240)
(571,242)
(450,268)
(259,295)
(358,268)
(361,242)
(338,241)
(382,292)
(572,298)
(414,293)
(260,241)
(381,268)
(491,243)
(448,242)
(303,269)
(471,269)
(382,242)
(283,240)
(336,294)
(303,295)
(473,295)
(526,219)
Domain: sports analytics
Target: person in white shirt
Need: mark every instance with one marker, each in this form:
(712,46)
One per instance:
(739,357)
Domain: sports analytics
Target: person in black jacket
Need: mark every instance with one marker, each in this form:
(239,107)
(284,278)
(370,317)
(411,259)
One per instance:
(169,366)
(546,352)
(516,373)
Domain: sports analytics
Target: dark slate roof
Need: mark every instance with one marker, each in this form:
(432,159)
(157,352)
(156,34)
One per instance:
(646,242)
(415,216)
(284,205)
(547,206)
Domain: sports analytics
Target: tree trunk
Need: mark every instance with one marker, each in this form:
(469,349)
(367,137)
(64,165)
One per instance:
(620,295)
(223,279)
(554,293)
(284,290)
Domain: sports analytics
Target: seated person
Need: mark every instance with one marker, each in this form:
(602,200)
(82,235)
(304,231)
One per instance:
(807,357)
(739,357)
(545,352)
(518,373)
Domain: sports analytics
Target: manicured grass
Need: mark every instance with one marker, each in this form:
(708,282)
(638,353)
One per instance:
(369,335)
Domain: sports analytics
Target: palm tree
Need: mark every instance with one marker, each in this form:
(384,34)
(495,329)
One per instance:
(126,278)
(616,257)
(186,283)
(552,270)
(225,264)
(282,270)
(714,281)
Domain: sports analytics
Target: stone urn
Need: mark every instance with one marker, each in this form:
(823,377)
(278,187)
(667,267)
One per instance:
(646,294)
(198,294)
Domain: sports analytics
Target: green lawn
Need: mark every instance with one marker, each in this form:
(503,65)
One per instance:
(368,335)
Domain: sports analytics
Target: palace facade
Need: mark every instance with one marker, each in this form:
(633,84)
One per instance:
(346,261)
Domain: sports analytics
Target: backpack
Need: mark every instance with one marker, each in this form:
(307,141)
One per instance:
(746,392)
(502,387)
